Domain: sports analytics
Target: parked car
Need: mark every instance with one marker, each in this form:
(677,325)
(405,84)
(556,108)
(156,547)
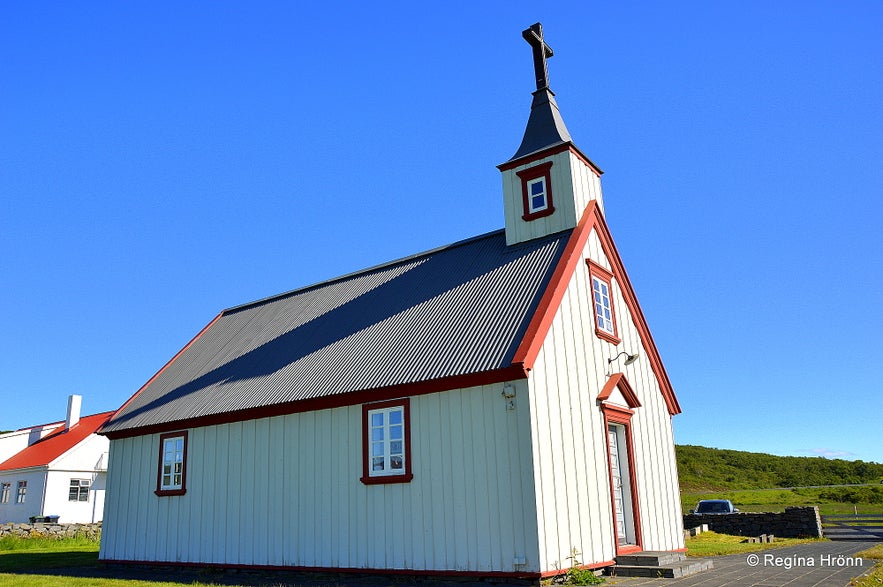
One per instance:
(715,506)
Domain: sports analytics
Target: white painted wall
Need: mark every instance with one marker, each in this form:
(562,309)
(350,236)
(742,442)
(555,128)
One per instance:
(20,512)
(84,461)
(57,502)
(569,438)
(285,491)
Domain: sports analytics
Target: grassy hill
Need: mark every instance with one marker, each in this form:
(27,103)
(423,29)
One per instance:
(712,469)
(746,478)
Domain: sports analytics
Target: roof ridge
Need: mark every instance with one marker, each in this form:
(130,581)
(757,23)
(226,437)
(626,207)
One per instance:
(101,416)
(365,271)
(58,422)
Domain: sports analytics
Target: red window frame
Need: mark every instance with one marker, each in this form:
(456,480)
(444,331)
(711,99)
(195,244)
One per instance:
(408,475)
(167,492)
(600,273)
(542,170)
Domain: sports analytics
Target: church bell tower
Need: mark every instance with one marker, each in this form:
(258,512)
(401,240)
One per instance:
(548,182)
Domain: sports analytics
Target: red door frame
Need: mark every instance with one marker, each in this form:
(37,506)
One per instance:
(615,414)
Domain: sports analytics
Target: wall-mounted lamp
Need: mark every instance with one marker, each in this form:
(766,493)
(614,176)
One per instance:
(509,396)
(629,359)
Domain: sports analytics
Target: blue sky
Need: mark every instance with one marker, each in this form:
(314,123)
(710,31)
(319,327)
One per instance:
(162,161)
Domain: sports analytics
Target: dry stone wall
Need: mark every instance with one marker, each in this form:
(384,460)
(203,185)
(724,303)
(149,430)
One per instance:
(51,530)
(795,522)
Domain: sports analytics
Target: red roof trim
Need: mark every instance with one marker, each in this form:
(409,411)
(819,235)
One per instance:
(541,322)
(536,156)
(619,380)
(511,373)
(167,365)
(55,444)
(631,301)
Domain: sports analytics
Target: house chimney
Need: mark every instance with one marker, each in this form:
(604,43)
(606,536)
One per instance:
(73,411)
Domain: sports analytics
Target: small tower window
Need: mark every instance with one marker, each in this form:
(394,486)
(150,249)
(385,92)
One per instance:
(537,201)
(536,191)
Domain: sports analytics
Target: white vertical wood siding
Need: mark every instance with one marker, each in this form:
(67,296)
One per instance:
(285,491)
(569,439)
(573,184)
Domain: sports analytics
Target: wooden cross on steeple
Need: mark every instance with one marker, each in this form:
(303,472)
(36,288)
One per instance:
(541,52)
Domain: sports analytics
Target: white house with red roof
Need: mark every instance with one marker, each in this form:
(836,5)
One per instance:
(56,470)
(485,408)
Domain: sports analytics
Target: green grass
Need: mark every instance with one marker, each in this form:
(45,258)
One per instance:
(875,577)
(714,544)
(21,558)
(17,554)
(9,543)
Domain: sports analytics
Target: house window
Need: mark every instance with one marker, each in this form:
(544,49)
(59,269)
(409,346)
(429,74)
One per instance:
(172,475)
(5,489)
(386,429)
(603,308)
(79,490)
(536,191)
(21,492)
(602,302)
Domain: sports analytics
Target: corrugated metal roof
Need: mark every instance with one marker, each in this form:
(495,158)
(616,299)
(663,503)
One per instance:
(455,310)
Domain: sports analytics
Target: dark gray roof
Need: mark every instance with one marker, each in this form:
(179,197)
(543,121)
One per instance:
(545,127)
(456,310)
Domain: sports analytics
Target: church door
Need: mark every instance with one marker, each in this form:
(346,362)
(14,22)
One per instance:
(621,489)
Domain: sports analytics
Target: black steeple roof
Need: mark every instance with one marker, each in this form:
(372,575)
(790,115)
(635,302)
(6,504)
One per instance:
(545,127)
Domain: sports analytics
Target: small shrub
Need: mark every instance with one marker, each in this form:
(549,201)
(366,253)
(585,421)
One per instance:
(577,576)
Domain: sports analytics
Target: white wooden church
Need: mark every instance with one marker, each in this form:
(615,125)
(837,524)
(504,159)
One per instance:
(483,408)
